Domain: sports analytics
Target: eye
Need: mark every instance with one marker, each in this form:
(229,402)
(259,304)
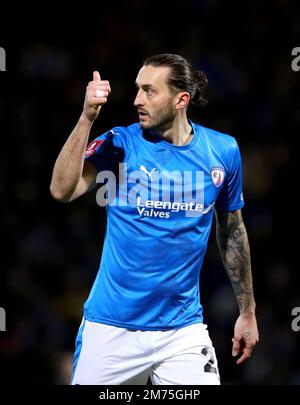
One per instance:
(150,92)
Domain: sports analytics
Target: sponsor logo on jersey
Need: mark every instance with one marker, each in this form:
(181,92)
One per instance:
(151,208)
(164,209)
(217,175)
(90,150)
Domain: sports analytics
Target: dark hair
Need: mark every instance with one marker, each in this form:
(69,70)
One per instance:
(183,77)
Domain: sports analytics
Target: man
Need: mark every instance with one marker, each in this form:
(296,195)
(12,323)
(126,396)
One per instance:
(143,316)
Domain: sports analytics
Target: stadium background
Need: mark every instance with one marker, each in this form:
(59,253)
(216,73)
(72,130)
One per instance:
(50,252)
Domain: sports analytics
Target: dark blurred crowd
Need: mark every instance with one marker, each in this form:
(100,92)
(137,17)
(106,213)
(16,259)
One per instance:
(51,251)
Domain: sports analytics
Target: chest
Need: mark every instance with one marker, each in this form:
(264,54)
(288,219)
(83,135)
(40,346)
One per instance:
(181,177)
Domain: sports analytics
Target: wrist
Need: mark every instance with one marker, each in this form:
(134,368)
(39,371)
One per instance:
(249,311)
(85,119)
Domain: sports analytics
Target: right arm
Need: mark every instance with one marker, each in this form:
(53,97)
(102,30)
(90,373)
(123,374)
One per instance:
(72,175)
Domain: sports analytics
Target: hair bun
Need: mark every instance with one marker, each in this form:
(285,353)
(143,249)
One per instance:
(201,81)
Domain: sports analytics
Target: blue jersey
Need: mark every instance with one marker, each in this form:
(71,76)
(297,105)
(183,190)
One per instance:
(158,223)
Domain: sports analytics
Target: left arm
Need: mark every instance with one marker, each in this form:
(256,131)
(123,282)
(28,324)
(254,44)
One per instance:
(234,249)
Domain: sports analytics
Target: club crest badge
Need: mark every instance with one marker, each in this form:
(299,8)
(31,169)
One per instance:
(217,175)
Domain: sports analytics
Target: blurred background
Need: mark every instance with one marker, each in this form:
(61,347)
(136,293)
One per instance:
(50,251)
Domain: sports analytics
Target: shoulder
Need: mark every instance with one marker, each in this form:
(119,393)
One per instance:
(120,136)
(124,134)
(219,143)
(217,138)
(132,129)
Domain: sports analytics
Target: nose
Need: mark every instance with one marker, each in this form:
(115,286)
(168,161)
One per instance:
(139,100)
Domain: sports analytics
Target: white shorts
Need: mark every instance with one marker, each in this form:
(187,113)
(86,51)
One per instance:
(109,355)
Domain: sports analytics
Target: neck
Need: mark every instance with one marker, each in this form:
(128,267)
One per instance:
(179,132)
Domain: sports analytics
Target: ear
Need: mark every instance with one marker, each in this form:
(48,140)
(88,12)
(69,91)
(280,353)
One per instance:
(182,100)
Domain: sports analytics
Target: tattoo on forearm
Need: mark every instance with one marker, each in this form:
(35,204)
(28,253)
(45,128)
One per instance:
(235,253)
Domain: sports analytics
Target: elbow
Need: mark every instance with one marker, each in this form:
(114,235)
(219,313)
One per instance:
(58,195)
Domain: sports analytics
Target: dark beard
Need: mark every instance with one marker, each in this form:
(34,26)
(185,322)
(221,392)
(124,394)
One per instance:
(164,123)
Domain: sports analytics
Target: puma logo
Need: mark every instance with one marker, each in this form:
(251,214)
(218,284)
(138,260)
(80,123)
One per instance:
(143,169)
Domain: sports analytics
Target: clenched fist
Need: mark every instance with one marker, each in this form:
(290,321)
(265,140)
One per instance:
(96,95)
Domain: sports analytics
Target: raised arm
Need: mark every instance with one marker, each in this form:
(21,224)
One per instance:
(234,249)
(72,175)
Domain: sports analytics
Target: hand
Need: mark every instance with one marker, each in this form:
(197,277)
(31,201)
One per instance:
(245,337)
(92,103)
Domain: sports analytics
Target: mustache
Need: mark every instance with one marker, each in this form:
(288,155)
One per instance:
(143,111)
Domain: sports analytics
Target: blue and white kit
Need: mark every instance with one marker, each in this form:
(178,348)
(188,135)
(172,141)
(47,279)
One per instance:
(154,247)
(143,316)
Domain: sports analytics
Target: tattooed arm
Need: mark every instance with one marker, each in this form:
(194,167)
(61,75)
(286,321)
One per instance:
(234,249)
